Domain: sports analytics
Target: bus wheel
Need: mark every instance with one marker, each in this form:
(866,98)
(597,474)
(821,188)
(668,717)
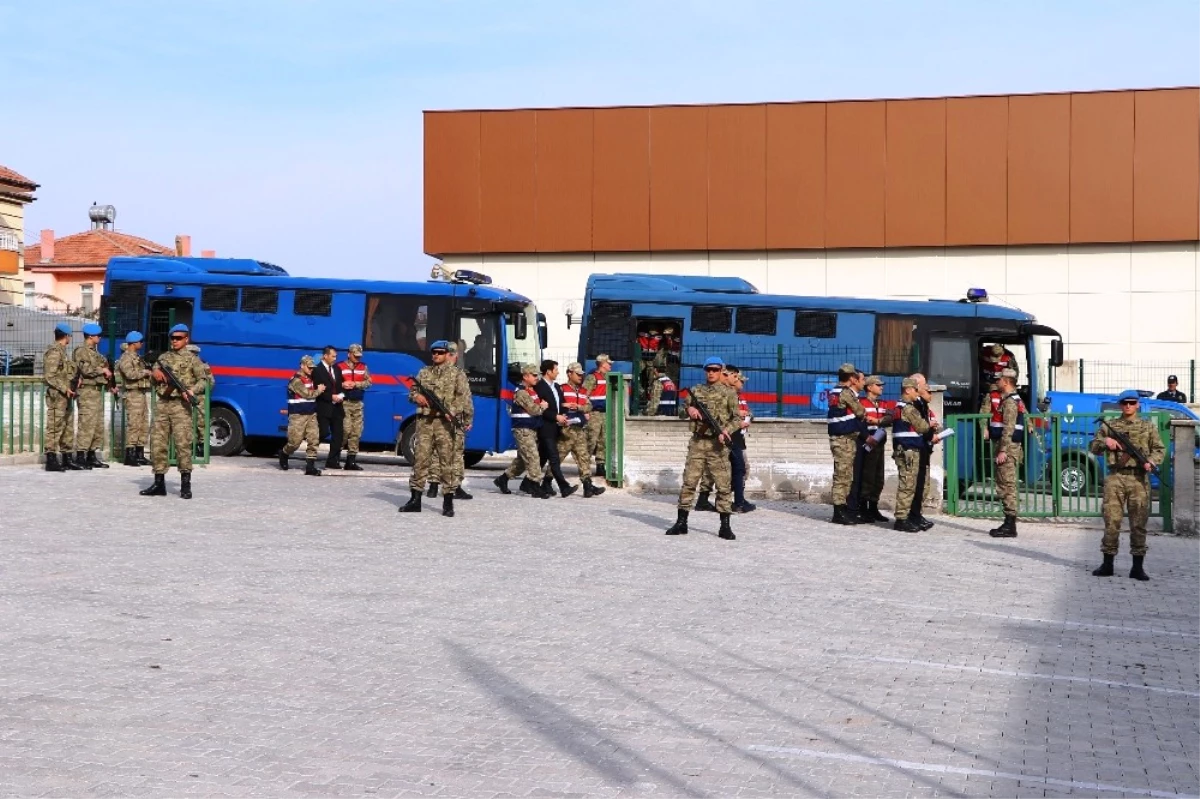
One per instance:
(1076,477)
(472,457)
(407,448)
(225,435)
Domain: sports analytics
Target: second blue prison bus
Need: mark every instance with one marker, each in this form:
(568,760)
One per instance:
(791,346)
(253,322)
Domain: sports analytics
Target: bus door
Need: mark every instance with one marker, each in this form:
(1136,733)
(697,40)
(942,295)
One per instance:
(660,343)
(477,332)
(166,312)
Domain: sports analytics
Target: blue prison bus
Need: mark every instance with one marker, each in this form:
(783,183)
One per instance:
(253,322)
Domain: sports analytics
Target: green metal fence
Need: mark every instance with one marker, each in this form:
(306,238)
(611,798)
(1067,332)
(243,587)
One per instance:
(1113,377)
(1059,477)
(614,429)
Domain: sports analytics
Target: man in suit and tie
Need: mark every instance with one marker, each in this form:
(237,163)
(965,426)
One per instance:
(553,419)
(330,412)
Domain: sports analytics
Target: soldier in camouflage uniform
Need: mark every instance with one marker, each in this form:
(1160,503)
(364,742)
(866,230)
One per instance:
(526,414)
(435,432)
(572,439)
(1007,433)
(135,382)
(460,440)
(1127,484)
(846,418)
(93,376)
(910,434)
(173,414)
(58,373)
(595,386)
(708,448)
(201,432)
(302,417)
(356,379)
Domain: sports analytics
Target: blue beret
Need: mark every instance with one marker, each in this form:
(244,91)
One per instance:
(1129,394)
(180,329)
(440,344)
(713,361)
(92,329)
(63,328)
(133,338)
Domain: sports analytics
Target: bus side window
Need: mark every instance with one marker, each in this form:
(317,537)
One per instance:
(396,323)
(895,345)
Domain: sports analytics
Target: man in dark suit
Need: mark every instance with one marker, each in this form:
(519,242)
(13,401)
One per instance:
(553,418)
(330,413)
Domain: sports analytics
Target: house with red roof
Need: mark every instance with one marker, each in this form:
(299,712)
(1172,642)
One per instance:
(16,191)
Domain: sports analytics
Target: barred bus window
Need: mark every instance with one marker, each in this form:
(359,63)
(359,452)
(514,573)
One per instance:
(755,321)
(260,300)
(312,303)
(816,324)
(219,298)
(894,345)
(711,319)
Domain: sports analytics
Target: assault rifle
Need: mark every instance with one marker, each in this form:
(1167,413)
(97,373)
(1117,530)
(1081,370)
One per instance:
(436,403)
(174,382)
(705,415)
(1127,446)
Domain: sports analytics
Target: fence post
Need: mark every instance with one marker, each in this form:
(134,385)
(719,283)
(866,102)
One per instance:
(614,430)
(1055,464)
(779,381)
(1081,375)
(1192,380)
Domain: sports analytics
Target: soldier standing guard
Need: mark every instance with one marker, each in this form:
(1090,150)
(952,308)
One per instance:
(526,412)
(355,381)
(596,386)
(173,414)
(436,431)
(573,438)
(1127,485)
(846,423)
(872,460)
(201,432)
(93,375)
(708,449)
(58,373)
(459,466)
(302,418)
(135,380)
(1007,430)
(909,434)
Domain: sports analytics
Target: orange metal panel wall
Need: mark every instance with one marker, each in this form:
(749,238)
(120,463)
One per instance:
(1039,166)
(1166,166)
(737,177)
(678,178)
(507,191)
(855,174)
(621,174)
(977,170)
(795,176)
(916,173)
(1102,167)
(564,180)
(452,182)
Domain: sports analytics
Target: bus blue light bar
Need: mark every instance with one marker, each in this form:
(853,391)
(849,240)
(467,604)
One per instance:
(467,276)
(977,295)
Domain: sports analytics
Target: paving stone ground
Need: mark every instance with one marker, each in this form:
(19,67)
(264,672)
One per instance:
(281,635)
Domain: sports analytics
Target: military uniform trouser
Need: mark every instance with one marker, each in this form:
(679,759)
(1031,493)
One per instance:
(1125,489)
(459,466)
(597,446)
(1006,478)
(58,418)
(201,431)
(527,459)
(872,475)
(91,418)
(434,435)
(712,455)
(137,419)
(353,426)
(172,424)
(907,463)
(843,449)
(573,440)
(302,429)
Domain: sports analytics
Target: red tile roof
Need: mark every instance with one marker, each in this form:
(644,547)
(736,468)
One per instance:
(16,178)
(93,248)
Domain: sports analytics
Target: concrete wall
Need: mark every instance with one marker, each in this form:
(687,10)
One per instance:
(1187,479)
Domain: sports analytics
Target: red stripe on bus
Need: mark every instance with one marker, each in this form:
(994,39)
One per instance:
(252,371)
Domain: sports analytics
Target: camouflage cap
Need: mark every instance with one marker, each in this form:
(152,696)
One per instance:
(531,369)
(575,366)
(603,358)
(306,360)
(354,349)
(847,367)
(908,382)
(1011,374)
(874,380)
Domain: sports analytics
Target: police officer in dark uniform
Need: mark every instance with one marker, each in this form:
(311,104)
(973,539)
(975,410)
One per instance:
(1173,394)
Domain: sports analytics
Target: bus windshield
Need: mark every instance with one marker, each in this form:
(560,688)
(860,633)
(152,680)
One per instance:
(521,350)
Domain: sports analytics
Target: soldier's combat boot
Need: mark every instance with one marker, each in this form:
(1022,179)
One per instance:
(876,515)
(590,489)
(447,504)
(1006,530)
(158,489)
(414,503)
(140,454)
(81,460)
(702,503)
(94,460)
(185,485)
(726,530)
(905,526)
(460,493)
(567,490)
(1105,569)
(52,462)
(310,468)
(501,483)
(432,491)
(925,524)
(1137,572)
(68,463)
(352,463)
(130,457)
(283,460)
(599,469)
(680,525)
(548,487)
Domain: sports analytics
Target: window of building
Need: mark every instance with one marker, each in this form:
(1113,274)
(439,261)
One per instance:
(712,319)
(755,321)
(260,300)
(219,298)
(30,295)
(86,298)
(816,324)
(313,303)
(895,345)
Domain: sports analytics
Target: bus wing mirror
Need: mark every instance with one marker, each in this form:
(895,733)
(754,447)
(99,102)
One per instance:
(520,325)
(1056,352)
(543,332)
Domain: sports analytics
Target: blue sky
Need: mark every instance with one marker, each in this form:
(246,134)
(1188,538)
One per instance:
(290,130)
